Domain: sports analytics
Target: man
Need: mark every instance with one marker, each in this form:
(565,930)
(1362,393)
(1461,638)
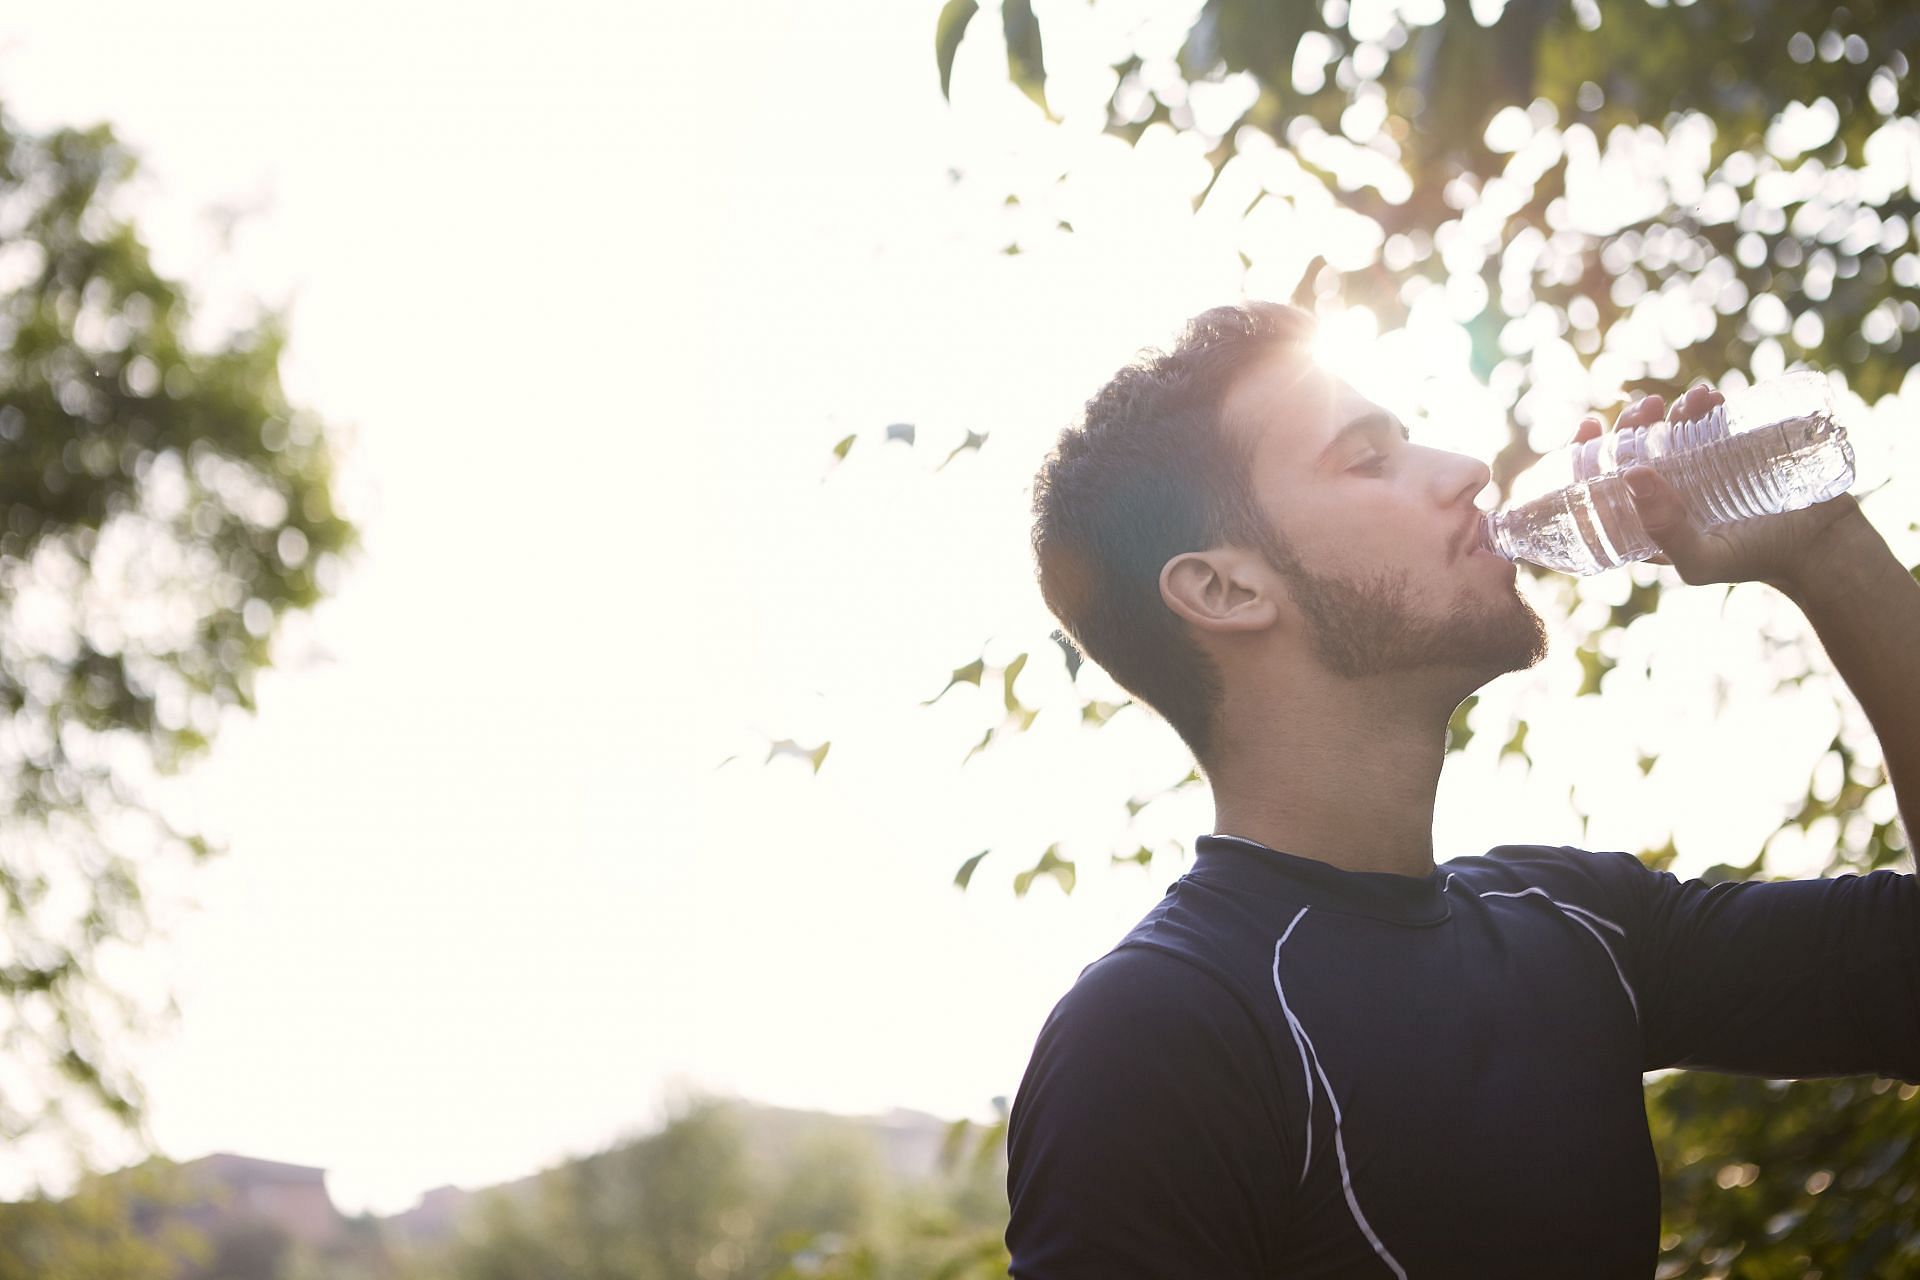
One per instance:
(1320,1054)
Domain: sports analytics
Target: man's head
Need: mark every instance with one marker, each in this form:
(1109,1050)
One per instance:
(1228,494)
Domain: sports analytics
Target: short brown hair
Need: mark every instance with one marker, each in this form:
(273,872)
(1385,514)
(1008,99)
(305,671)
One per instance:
(1150,472)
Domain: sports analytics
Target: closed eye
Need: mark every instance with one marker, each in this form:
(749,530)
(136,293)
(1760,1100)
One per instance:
(1379,431)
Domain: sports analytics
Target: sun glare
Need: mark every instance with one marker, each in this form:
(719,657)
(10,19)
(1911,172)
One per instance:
(1348,344)
(1420,372)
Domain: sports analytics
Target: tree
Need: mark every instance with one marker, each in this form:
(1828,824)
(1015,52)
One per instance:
(162,507)
(1622,195)
(112,1227)
(724,1190)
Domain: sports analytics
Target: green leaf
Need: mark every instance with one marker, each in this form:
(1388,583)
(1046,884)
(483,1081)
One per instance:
(1141,857)
(952,25)
(973,441)
(1026,66)
(840,450)
(1050,864)
(969,674)
(964,876)
(1011,674)
(1517,744)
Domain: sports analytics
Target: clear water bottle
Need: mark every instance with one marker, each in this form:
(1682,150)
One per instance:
(1773,447)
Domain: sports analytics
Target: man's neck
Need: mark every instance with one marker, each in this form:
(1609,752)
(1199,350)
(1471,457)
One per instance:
(1347,778)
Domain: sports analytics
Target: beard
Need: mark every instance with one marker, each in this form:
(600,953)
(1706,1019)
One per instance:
(1368,627)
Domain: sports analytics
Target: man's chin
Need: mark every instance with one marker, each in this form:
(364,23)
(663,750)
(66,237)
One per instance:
(1493,642)
(1522,639)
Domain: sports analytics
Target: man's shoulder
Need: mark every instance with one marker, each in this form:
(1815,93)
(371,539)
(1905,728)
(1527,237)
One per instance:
(1145,979)
(1147,998)
(1555,870)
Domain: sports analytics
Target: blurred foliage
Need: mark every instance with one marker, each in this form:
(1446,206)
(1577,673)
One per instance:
(1649,191)
(719,1194)
(162,506)
(105,1230)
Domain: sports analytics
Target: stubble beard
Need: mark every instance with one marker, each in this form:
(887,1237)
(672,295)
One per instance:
(1367,627)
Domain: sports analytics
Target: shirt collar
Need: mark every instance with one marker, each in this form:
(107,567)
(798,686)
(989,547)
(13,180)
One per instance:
(1379,895)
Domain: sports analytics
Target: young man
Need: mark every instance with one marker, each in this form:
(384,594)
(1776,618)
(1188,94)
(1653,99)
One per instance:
(1320,1054)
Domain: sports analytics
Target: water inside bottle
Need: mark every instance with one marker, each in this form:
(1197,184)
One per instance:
(1589,526)
(1592,524)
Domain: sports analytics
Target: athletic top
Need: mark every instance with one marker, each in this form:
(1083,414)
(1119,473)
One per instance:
(1287,1069)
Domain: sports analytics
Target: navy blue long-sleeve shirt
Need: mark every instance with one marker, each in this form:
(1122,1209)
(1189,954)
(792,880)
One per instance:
(1287,1069)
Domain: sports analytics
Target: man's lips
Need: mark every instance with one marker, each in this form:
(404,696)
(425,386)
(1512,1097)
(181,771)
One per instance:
(1468,540)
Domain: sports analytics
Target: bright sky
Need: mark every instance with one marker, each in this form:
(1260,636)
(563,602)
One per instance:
(592,290)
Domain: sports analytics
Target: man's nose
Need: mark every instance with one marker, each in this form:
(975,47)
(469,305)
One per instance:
(1457,478)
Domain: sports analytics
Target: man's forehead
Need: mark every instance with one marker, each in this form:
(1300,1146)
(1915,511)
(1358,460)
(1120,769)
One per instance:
(1287,406)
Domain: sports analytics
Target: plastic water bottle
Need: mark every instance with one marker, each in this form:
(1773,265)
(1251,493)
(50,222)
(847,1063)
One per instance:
(1771,448)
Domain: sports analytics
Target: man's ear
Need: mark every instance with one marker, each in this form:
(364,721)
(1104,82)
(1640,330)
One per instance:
(1220,589)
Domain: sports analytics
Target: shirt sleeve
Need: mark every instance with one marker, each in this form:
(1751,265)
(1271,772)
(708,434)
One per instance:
(1790,979)
(1146,1139)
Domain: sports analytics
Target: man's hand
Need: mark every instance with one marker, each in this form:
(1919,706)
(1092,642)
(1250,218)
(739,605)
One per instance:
(1863,602)
(1786,550)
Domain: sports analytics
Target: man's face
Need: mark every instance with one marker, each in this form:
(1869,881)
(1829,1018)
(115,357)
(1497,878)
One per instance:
(1385,562)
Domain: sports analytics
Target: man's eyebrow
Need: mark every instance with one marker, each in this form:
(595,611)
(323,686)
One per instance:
(1365,424)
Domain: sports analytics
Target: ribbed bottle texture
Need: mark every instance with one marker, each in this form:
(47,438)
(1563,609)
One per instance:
(1774,447)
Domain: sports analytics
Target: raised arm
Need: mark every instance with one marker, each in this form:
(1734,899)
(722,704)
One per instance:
(1865,607)
(1829,560)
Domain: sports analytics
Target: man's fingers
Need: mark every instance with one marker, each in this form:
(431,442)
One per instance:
(1590,428)
(1641,413)
(1695,403)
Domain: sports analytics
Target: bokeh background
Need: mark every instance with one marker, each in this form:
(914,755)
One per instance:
(531,747)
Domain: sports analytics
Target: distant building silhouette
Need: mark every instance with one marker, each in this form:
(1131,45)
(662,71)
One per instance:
(292,1197)
(434,1219)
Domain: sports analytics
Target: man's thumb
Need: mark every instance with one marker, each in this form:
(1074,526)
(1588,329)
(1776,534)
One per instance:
(1661,512)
